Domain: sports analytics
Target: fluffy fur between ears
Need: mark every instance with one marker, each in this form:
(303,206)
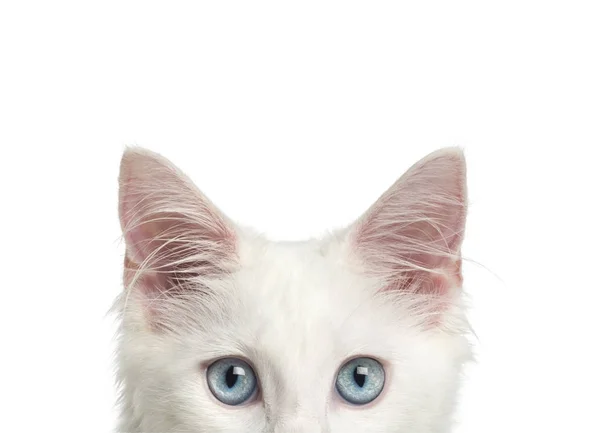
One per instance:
(198,287)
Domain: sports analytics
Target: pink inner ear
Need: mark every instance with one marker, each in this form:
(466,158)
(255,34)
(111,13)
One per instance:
(414,231)
(436,282)
(139,240)
(173,233)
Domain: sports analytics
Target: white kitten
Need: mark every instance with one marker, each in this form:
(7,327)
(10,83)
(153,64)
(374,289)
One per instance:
(225,331)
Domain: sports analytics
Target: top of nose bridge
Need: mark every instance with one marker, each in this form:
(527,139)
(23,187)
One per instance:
(301,412)
(300,423)
(302,393)
(298,400)
(299,394)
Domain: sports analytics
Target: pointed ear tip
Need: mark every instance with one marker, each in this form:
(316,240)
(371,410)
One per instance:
(132,157)
(452,158)
(453,153)
(132,153)
(135,163)
(135,156)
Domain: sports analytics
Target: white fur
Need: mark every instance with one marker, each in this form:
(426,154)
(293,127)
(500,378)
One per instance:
(295,311)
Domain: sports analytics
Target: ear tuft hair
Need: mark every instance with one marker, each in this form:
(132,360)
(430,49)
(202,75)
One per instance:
(413,233)
(174,235)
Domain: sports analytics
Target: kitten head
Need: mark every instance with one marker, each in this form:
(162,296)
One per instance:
(225,331)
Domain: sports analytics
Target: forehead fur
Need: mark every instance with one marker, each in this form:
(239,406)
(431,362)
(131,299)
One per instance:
(302,306)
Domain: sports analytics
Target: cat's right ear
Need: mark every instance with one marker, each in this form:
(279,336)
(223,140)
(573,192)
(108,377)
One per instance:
(174,235)
(412,235)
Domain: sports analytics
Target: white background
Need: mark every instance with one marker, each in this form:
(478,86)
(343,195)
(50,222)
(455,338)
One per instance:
(293,117)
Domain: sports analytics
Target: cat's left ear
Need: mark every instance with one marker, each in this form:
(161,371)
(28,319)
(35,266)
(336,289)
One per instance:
(413,234)
(174,235)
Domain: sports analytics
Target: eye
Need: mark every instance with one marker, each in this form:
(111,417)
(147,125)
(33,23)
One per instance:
(232,381)
(360,381)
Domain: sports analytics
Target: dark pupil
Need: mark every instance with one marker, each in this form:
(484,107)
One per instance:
(231,378)
(360,379)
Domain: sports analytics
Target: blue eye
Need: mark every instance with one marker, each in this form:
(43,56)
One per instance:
(360,381)
(232,381)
